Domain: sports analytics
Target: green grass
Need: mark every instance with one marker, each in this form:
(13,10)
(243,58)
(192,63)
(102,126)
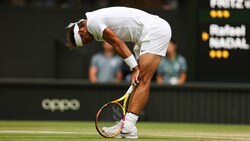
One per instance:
(148,131)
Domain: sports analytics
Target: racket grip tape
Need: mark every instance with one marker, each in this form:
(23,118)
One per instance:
(130,89)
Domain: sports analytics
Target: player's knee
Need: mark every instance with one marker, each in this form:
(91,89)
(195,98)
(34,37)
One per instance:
(145,81)
(145,78)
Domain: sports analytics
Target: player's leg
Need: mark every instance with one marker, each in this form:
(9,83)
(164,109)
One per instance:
(148,64)
(150,53)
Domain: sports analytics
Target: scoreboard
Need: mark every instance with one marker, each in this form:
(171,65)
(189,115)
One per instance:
(223,40)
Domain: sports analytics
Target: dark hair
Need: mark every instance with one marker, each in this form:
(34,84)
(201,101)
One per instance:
(70,40)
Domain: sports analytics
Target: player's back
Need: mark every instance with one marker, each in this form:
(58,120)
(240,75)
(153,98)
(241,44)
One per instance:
(127,23)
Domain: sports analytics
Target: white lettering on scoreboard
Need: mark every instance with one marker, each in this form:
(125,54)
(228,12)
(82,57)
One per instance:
(230,4)
(227,30)
(227,37)
(233,35)
(228,43)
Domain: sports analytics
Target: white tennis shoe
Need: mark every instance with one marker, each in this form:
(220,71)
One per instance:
(111,130)
(129,132)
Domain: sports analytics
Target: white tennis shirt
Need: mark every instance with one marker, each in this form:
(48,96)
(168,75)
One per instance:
(128,23)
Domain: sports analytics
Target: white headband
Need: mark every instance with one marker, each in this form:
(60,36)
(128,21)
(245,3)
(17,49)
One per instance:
(78,39)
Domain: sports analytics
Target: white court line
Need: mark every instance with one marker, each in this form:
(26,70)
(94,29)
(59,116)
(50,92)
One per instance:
(81,133)
(38,132)
(206,137)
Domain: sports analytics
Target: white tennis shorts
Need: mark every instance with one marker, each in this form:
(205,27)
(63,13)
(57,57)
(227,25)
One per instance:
(156,39)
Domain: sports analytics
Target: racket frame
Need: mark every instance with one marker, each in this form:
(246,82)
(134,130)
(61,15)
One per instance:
(123,107)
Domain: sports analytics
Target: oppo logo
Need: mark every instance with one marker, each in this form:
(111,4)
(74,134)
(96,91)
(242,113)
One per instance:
(60,104)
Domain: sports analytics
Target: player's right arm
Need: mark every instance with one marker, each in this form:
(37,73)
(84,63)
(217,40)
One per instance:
(121,48)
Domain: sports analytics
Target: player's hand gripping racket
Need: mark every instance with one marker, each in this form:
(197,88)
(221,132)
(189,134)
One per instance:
(110,118)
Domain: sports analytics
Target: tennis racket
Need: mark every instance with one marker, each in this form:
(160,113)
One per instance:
(112,116)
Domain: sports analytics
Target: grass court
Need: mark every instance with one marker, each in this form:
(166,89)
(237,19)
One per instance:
(148,131)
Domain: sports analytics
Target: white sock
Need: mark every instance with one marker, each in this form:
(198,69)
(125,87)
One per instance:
(131,119)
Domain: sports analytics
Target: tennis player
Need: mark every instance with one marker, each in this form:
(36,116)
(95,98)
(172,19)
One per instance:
(117,25)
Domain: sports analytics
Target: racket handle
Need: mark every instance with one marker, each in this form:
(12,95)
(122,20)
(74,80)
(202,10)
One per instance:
(130,89)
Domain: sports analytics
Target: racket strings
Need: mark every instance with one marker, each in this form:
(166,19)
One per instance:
(117,113)
(109,119)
